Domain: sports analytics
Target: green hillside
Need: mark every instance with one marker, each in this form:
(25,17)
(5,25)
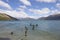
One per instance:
(4,16)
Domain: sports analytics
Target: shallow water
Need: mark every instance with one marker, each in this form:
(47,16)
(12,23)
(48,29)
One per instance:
(46,30)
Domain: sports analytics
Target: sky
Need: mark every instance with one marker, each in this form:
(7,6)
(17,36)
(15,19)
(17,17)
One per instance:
(30,8)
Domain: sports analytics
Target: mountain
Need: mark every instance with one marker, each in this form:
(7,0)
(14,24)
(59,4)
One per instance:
(26,19)
(4,16)
(51,17)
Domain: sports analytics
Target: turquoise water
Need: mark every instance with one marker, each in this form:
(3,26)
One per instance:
(52,26)
(18,26)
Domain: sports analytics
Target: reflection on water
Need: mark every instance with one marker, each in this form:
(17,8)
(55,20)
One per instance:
(42,32)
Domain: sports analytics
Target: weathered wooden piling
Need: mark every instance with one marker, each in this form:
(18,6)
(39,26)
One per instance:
(33,26)
(26,30)
(11,33)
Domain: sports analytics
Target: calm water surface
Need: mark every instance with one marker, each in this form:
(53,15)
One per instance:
(17,26)
(51,26)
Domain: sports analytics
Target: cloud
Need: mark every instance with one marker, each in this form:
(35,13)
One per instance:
(55,12)
(42,11)
(6,5)
(22,14)
(34,17)
(21,8)
(58,5)
(48,1)
(18,14)
(26,2)
(14,13)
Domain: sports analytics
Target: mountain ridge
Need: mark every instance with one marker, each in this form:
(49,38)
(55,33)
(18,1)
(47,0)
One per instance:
(51,17)
(4,16)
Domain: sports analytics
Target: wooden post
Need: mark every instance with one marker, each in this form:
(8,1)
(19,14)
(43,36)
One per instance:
(26,29)
(11,33)
(33,27)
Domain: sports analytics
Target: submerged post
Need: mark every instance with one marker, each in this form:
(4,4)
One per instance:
(11,33)
(36,25)
(33,27)
(30,24)
(26,30)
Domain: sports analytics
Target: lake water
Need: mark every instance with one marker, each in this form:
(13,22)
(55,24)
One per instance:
(17,27)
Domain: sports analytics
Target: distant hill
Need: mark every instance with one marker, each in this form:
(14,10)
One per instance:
(26,19)
(4,16)
(51,17)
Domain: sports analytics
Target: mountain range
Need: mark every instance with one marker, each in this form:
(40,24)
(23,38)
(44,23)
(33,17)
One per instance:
(4,16)
(51,17)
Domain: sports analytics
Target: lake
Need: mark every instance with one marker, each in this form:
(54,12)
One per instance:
(46,29)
